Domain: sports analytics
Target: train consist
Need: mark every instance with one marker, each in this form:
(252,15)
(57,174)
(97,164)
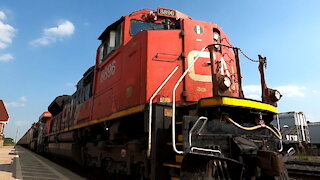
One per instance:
(164,100)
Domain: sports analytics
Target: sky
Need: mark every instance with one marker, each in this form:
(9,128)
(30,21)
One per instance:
(46,46)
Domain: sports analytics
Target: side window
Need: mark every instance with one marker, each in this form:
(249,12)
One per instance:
(101,49)
(111,42)
(119,35)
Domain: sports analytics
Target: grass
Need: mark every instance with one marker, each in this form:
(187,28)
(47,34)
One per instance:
(305,158)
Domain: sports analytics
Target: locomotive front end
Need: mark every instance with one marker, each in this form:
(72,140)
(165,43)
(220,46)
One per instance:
(232,137)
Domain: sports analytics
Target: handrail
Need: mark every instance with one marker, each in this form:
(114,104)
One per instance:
(150,108)
(173,123)
(191,130)
(279,128)
(203,149)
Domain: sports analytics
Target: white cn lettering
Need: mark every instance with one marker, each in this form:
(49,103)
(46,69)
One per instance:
(108,71)
(224,68)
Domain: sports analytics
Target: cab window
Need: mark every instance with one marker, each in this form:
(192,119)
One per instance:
(137,25)
(111,42)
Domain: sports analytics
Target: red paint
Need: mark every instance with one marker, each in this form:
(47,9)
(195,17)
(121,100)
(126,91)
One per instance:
(130,74)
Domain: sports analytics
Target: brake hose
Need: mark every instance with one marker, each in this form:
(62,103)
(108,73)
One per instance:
(276,133)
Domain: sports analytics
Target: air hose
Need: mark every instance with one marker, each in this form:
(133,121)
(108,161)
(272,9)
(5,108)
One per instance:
(275,131)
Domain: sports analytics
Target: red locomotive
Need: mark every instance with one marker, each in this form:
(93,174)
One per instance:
(164,101)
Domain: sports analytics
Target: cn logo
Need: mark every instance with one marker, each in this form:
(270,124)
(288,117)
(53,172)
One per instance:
(222,67)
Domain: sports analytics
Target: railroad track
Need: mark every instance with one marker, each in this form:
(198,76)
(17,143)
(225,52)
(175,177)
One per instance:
(303,169)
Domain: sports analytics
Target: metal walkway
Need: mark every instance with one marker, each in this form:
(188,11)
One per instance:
(31,166)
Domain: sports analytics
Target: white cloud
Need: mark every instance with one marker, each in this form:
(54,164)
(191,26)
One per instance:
(252,88)
(64,29)
(21,123)
(253,96)
(23,99)
(291,90)
(313,117)
(20,103)
(14,104)
(43,41)
(252,92)
(316,91)
(6,57)
(2,16)
(51,35)
(7,32)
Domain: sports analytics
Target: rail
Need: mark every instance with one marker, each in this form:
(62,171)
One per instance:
(150,108)
(303,169)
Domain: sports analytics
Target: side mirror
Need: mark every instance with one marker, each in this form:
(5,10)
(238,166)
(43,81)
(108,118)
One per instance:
(112,42)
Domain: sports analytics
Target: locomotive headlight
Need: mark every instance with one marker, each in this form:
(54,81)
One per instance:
(277,95)
(224,82)
(227,81)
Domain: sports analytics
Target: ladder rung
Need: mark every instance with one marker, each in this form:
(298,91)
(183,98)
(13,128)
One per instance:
(179,158)
(177,143)
(175,178)
(179,122)
(180,138)
(172,165)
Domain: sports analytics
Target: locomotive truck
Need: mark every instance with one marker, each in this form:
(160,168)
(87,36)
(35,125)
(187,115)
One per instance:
(164,100)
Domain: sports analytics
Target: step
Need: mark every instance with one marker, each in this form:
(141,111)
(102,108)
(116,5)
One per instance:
(177,143)
(180,138)
(179,158)
(175,178)
(172,165)
(179,122)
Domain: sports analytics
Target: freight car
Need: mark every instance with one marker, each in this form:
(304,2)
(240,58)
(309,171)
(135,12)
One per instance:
(164,100)
(29,138)
(314,129)
(295,130)
(34,138)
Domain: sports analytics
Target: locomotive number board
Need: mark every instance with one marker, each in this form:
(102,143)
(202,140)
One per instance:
(167,12)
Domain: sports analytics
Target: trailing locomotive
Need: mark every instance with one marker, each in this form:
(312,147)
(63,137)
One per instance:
(164,100)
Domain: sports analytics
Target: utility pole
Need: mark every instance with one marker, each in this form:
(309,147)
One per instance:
(15,140)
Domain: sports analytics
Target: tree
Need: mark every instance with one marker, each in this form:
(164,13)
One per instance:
(8,141)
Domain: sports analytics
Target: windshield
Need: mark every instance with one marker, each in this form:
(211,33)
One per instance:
(137,26)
